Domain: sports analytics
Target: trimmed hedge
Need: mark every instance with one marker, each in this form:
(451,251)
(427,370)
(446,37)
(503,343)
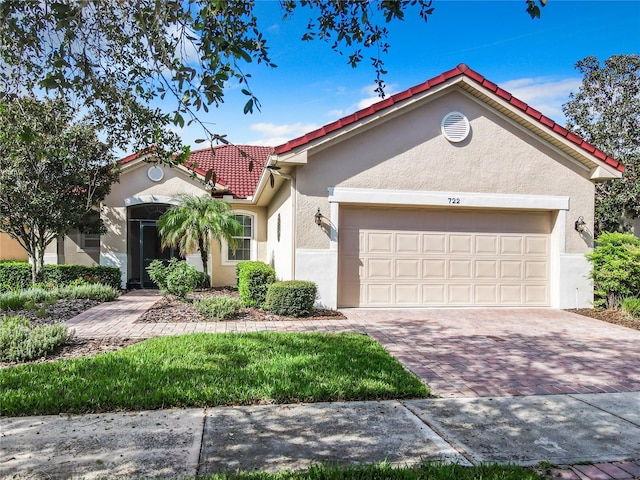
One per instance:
(254,279)
(293,298)
(18,275)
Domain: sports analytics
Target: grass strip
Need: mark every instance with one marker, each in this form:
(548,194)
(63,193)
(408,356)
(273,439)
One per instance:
(200,370)
(425,471)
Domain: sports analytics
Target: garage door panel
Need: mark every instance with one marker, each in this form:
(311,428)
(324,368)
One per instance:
(460,269)
(380,294)
(486,245)
(434,294)
(407,269)
(492,259)
(379,269)
(486,294)
(511,245)
(536,270)
(434,269)
(379,243)
(510,294)
(407,243)
(408,294)
(511,269)
(486,270)
(434,244)
(460,294)
(536,295)
(536,246)
(460,244)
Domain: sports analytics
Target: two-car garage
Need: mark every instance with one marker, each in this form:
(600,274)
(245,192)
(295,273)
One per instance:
(417,257)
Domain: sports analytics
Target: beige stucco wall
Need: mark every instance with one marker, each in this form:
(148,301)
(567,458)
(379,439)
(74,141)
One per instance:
(279,250)
(72,253)
(225,274)
(11,249)
(410,153)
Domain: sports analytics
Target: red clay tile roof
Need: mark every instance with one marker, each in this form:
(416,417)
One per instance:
(461,69)
(231,166)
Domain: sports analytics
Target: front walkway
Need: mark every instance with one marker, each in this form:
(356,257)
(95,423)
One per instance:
(457,352)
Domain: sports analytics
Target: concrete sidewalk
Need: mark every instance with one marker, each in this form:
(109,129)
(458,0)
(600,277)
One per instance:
(602,430)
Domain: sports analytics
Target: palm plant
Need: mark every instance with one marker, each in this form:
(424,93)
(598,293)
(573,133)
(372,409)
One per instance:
(190,225)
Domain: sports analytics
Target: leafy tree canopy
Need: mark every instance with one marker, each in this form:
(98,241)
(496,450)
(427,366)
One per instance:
(52,173)
(113,57)
(606,113)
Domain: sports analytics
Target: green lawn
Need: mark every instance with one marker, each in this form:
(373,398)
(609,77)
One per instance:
(427,471)
(210,370)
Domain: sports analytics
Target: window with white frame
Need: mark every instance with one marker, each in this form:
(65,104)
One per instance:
(244,241)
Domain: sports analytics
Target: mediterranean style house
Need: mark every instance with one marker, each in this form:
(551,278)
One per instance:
(452,193)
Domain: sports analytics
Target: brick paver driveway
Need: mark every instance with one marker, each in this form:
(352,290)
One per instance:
(457,352)
(495,352)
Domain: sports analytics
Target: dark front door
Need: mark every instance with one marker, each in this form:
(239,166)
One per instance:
(144,244)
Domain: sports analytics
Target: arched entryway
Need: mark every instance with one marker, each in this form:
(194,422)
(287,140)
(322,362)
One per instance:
(143,242)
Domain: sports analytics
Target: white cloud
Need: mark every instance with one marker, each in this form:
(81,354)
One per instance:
(547,95)
(371,95)
(276,134)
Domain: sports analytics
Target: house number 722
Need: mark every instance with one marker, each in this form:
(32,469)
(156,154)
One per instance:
(454,200)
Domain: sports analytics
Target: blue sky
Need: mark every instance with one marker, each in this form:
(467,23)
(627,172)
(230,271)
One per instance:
(532,59)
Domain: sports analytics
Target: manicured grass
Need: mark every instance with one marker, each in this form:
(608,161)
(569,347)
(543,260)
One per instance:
(210,370)
(426,471)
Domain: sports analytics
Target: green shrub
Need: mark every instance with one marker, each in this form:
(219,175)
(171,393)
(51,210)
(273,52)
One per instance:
(18,274)
(615,269)
(20,342)
(92,291)
(294,298)
(12,301)
(254,279)
(176,278)
(632,306)
(219,308)
(15,275)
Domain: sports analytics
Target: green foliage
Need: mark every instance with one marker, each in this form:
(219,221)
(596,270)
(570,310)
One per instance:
(293,298)
(254,279)
(218,308)
(606,113)
(615,269)
(52,172)
(192,224)
(20,342)
(176,278)
(201,370)
(632,306)
(26,299)
(17,275)
(93,291)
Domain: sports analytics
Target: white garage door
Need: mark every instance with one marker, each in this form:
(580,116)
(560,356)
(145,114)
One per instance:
(428,257)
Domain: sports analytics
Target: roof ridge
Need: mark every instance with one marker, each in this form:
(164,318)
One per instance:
(460,70)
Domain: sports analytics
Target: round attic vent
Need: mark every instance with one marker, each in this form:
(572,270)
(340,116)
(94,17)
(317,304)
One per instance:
(155,173)
(455,126)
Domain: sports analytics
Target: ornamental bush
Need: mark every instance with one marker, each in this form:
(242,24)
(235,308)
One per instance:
(93,291)
(20,342)
(254,279)
(176,278)
(219,308)
(293,298)
(615,269)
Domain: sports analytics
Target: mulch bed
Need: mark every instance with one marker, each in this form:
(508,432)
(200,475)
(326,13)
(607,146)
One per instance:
(611,316)
(172,310)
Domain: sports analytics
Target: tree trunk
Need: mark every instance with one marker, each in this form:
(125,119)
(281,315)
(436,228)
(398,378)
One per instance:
(204,256)
(37,273)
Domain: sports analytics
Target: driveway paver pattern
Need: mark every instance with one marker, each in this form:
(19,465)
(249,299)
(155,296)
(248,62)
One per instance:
(457,352)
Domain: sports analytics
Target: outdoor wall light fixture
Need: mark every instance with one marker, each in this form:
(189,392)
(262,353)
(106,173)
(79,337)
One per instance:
(580,225)
(318,218)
